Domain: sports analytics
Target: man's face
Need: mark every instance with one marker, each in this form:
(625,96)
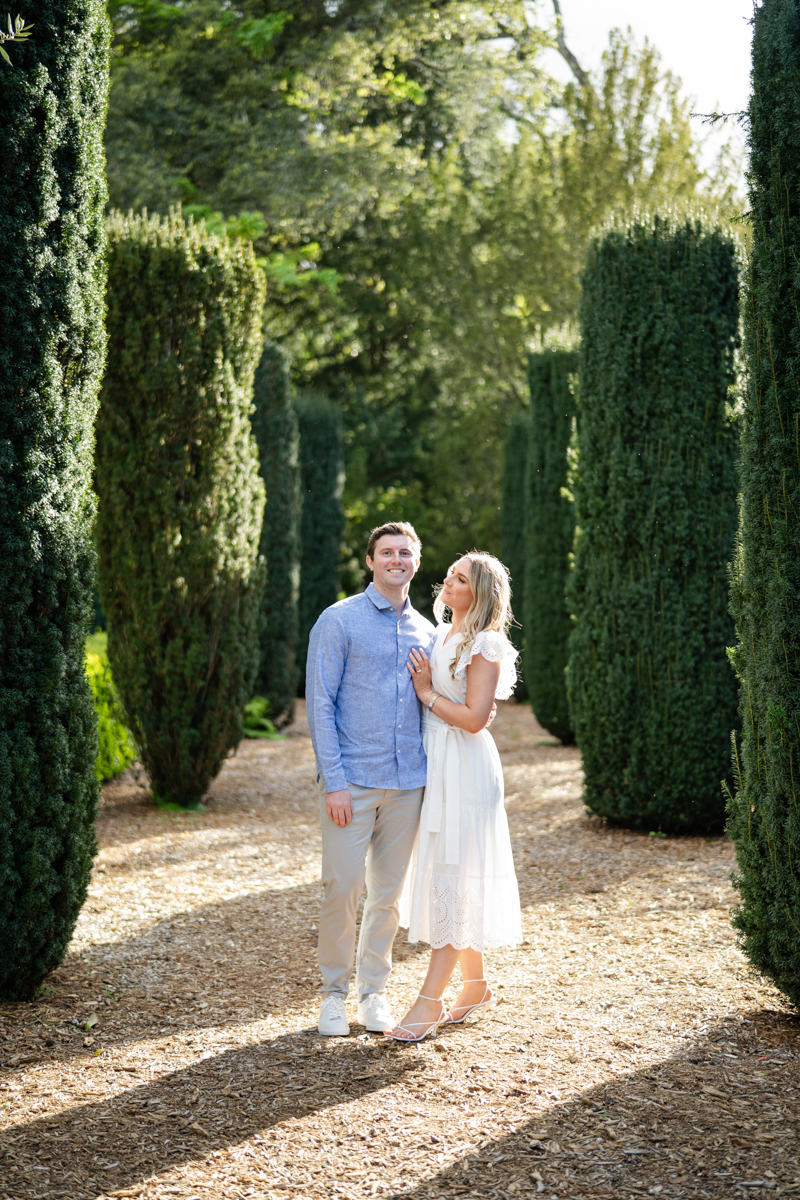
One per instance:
(395,563)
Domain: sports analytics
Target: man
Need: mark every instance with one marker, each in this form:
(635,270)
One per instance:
(365,727)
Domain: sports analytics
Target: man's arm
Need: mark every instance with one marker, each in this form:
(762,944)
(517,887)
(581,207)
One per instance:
(327,655)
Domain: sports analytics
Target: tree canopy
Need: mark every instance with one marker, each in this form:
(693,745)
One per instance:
(420,191)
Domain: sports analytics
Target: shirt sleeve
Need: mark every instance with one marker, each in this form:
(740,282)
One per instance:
(327,656)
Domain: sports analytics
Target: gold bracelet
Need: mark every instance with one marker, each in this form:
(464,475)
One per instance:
(432,701)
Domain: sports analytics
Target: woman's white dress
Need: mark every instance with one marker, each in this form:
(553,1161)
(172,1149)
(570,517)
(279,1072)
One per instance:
(461,889)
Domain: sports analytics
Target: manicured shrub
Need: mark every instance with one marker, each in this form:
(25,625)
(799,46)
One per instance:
(322,482)
(652,695)
(52,195)
(115,746)
(512,514)
(549,531)
(180,498)
(765,810)
(275,427)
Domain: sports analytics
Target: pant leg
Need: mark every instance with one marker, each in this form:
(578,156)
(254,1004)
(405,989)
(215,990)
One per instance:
(344,862)
(388,857)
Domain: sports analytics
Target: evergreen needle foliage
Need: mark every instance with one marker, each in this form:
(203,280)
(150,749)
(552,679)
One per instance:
(180,498)
(276,431)
(52,194)
(322,481)
(652,695)
(512,514)
(765,811)
(549,532)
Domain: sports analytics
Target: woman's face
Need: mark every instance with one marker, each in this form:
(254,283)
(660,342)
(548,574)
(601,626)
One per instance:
(456,592)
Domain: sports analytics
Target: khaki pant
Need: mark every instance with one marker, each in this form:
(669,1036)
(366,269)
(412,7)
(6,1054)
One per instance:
(375,847)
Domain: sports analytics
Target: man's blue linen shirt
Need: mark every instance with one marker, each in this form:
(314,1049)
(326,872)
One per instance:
(362,710)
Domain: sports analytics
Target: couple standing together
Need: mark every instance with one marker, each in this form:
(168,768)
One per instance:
(398,711)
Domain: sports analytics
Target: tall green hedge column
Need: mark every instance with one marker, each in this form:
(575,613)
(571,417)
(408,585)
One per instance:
(765,812)
(275,427)
(322,482)
(549,532)
(512,513)
(180,497)
(52,348)
(652,695)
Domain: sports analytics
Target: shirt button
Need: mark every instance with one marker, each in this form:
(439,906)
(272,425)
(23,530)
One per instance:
(399,726)
(401,699)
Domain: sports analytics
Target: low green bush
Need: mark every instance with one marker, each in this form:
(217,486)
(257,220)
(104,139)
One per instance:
(116,749)
(257,723)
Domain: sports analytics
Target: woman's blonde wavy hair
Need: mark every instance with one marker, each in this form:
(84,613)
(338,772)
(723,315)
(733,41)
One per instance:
(491,601)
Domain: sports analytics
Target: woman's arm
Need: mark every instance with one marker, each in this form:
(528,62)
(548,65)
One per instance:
(482,679)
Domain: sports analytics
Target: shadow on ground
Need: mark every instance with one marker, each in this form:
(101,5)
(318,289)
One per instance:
(719,1119)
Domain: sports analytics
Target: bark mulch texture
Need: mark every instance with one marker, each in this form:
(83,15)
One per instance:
(175,1053)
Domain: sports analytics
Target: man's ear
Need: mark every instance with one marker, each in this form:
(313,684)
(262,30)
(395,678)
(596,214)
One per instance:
(370,564)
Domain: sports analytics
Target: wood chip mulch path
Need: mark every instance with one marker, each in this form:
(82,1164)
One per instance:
(175,1053)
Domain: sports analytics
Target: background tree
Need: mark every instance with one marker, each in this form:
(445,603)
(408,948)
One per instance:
(180,499)
(652,695)
(52,194)
(549,532)
(513,530)
(764,818)
(276,431)
(413,249)
(322,481)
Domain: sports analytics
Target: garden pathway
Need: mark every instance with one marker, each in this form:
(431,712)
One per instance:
(631,1053)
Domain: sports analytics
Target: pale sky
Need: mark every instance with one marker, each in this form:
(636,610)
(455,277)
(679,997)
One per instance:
(705,42)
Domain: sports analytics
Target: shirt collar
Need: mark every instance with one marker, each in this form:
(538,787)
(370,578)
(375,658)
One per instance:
(381,602)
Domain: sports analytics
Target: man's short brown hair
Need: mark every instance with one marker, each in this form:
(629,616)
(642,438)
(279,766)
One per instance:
(393,529)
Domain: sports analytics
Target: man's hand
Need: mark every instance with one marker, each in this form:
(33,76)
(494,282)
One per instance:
(339,807)
(492,716)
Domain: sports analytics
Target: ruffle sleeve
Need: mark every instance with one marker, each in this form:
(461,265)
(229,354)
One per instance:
(495,647)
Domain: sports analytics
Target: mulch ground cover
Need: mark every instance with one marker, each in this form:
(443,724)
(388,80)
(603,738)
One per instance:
(175,1053)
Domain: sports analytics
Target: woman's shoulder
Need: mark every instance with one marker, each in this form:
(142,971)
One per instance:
(493,645)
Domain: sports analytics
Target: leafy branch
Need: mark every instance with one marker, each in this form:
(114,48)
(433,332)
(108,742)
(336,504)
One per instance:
(17,32)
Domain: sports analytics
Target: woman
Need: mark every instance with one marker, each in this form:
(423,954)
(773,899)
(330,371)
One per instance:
(462,896)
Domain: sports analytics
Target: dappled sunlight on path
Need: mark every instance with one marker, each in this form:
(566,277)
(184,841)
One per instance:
(175,1053)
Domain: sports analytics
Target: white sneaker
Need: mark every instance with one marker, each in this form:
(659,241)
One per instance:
(375,1014)
(333,1020)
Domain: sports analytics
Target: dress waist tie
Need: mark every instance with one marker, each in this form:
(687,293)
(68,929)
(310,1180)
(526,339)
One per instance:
(442,789)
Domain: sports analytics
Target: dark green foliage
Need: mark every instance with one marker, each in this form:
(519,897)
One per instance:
(52,193)
(512,523)
(322,481)
(52,248)
(549,531)
(275,428)
(652,695)
(765,811)
(180,498)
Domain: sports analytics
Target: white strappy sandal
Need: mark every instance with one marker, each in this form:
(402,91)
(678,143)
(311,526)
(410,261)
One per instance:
(480,1009)
(429,1029)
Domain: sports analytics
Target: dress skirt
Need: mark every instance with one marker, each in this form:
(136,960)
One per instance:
(461,889)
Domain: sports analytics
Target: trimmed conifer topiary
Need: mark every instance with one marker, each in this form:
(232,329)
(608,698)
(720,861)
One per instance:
(764,820)
(322,483)
(652,695)
(52,194)
(512,514)
(549,532)
(180,497)
(276,431)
